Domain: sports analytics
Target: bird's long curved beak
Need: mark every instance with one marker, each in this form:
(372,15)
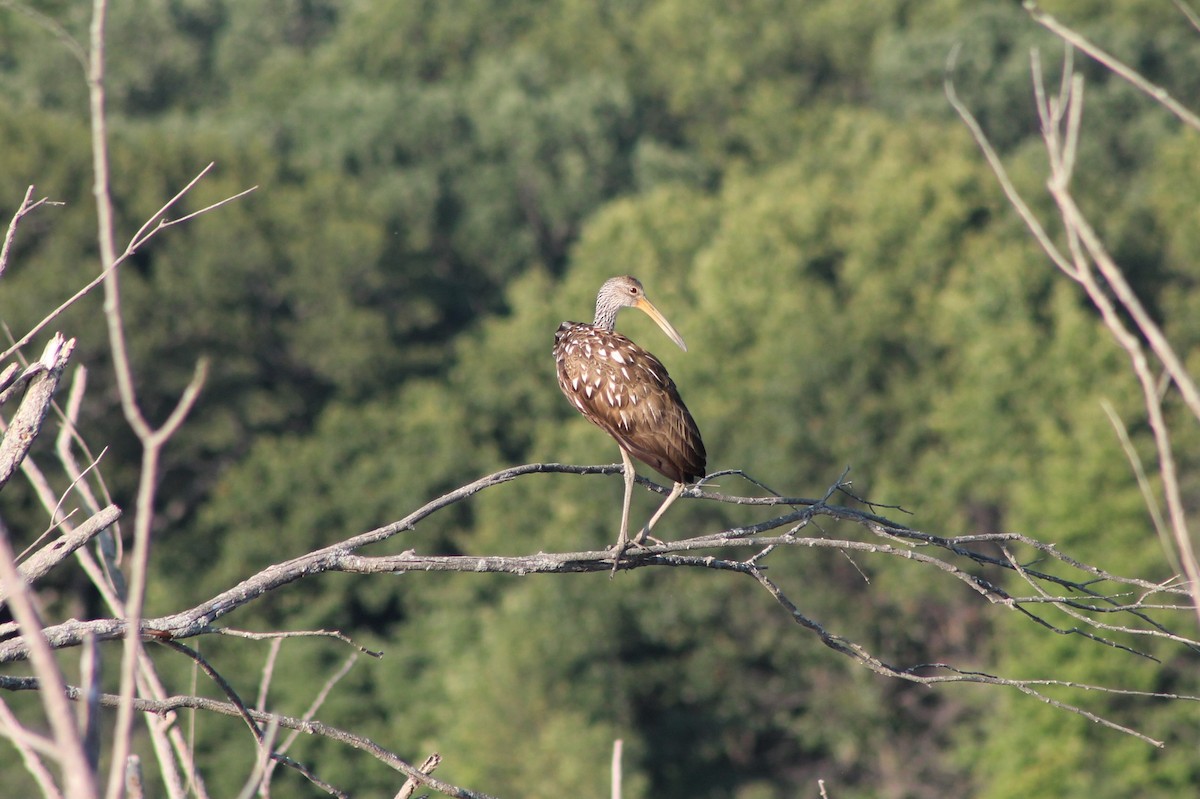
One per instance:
(644,304)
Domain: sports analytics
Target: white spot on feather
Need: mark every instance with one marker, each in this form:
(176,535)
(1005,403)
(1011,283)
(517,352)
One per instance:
(618,357)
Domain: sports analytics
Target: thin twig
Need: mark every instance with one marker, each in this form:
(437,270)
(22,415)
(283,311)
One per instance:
(27,744)
(264,737)
(859,653)
(27,205)
(1092,583)
(252,783)
(1188,12)
(175,703)
(1086,250)
(310,713)
(1139,472)
(410,785)
(1113,64)
(279,634)
(45,559)
(1010,190)
(65,443)
(320,698)
(56,515)
(80,780)
(54,27)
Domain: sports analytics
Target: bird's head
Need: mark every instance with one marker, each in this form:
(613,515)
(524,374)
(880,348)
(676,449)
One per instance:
(627,292)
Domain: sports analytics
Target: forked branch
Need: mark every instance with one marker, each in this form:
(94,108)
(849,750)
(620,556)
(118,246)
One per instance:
(1085,259)
(1105,604)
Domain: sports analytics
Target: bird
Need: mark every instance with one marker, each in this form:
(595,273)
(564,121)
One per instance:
(626,392)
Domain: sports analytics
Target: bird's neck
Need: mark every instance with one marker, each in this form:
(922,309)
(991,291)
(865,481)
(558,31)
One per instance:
(606,316)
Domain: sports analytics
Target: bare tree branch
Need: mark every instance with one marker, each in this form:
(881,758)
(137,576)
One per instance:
(143,235)
(310,713)
(1115,66)
(28,744)
(89,674)
(27,421)
(900,542)
(152,440)
(53,553)
(280,634)
(165,736)
(410,785)
(1081,237)
(79,778)
(1188,12)
(27,205)
(52,25)
(309,727)
(1089,264)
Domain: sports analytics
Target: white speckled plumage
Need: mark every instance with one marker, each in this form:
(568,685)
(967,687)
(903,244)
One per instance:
(639,405)
(636,402)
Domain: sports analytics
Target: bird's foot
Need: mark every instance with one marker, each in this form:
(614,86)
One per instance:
(643,536)
(618,550)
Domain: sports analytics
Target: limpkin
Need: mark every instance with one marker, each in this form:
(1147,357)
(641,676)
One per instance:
(626,392)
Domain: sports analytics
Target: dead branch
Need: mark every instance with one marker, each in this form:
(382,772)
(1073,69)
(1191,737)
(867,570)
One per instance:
(53,553)
(1114,65)
(963,558)
(30,746)
(141,237)
(43,377)
(310,713)
(171,704)
(27,205)
(79,778)
(410,785)
(1087,262)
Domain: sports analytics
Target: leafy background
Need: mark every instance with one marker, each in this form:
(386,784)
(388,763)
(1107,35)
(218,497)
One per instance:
(442,183)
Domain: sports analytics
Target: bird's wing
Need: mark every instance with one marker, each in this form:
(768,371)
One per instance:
(627,392)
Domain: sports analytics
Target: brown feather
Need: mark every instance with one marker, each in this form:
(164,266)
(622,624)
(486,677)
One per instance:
(626,391)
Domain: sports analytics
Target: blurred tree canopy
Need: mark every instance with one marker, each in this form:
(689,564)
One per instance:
(440,184)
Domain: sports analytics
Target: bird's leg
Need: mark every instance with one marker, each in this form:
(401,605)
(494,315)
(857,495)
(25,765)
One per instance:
(623,539)
(674,495)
